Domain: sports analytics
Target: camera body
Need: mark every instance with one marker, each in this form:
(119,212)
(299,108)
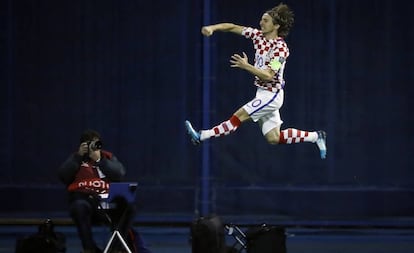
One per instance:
(95,145)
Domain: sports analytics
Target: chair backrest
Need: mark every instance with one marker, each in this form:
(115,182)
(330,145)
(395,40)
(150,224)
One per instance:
(126,190)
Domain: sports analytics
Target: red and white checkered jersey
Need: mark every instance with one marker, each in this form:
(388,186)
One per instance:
(268,51)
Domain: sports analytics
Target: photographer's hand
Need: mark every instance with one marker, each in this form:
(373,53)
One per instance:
(83,149)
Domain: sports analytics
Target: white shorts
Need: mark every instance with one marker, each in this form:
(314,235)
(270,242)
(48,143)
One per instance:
(264,108)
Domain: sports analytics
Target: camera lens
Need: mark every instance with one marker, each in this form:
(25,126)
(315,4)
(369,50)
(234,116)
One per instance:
(98,145)
(95,145)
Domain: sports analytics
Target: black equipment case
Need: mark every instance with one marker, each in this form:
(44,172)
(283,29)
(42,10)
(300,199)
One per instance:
(266,239)
(207,235)
(46,240)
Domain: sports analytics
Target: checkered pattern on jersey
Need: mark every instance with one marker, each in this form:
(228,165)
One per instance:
(268,50)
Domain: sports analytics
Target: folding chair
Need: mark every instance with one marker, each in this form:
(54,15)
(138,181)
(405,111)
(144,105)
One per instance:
(127,191)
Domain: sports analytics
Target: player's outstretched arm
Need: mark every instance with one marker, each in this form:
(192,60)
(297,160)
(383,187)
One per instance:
(222,27)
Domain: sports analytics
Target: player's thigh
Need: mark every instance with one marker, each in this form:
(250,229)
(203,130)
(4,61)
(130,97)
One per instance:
(271,123)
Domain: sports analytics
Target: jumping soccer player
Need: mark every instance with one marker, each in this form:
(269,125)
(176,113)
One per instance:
(269,64)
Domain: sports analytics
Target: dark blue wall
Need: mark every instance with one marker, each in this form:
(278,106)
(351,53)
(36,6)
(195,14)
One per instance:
(133,71)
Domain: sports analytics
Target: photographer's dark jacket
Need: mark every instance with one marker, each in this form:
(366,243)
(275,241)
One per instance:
(90,176)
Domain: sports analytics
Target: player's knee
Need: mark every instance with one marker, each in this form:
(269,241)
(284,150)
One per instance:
(273,139)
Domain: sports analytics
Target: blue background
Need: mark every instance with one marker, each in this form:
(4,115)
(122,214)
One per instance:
(136,70)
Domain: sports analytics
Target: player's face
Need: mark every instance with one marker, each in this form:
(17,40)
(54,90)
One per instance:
(266,24)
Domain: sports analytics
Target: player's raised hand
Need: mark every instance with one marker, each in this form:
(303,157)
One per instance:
(238,61)
(207,31)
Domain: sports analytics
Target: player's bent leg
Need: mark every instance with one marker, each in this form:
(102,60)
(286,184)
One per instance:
(273,136)
(242,115)
(222,129)
(226,127)
(292,135)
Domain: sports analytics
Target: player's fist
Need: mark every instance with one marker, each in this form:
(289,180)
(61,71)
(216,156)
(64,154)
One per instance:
(207,31)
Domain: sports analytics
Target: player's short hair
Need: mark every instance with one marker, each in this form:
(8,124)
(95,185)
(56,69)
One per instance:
(284,17)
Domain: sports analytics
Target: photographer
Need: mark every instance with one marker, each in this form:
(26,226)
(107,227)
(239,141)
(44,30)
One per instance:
(87,174)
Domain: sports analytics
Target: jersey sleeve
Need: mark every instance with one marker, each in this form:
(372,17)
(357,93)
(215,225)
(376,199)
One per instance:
(250,33)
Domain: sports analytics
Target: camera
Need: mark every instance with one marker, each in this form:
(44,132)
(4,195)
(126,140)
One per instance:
(95,145)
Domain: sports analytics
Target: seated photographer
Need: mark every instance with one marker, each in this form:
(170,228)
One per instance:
(87,174)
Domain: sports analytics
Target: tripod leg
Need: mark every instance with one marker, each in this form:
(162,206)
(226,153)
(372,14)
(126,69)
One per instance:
(116,233)
(123,242)
(110,242)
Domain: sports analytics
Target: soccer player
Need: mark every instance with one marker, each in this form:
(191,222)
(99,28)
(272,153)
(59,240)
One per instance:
(271,53)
